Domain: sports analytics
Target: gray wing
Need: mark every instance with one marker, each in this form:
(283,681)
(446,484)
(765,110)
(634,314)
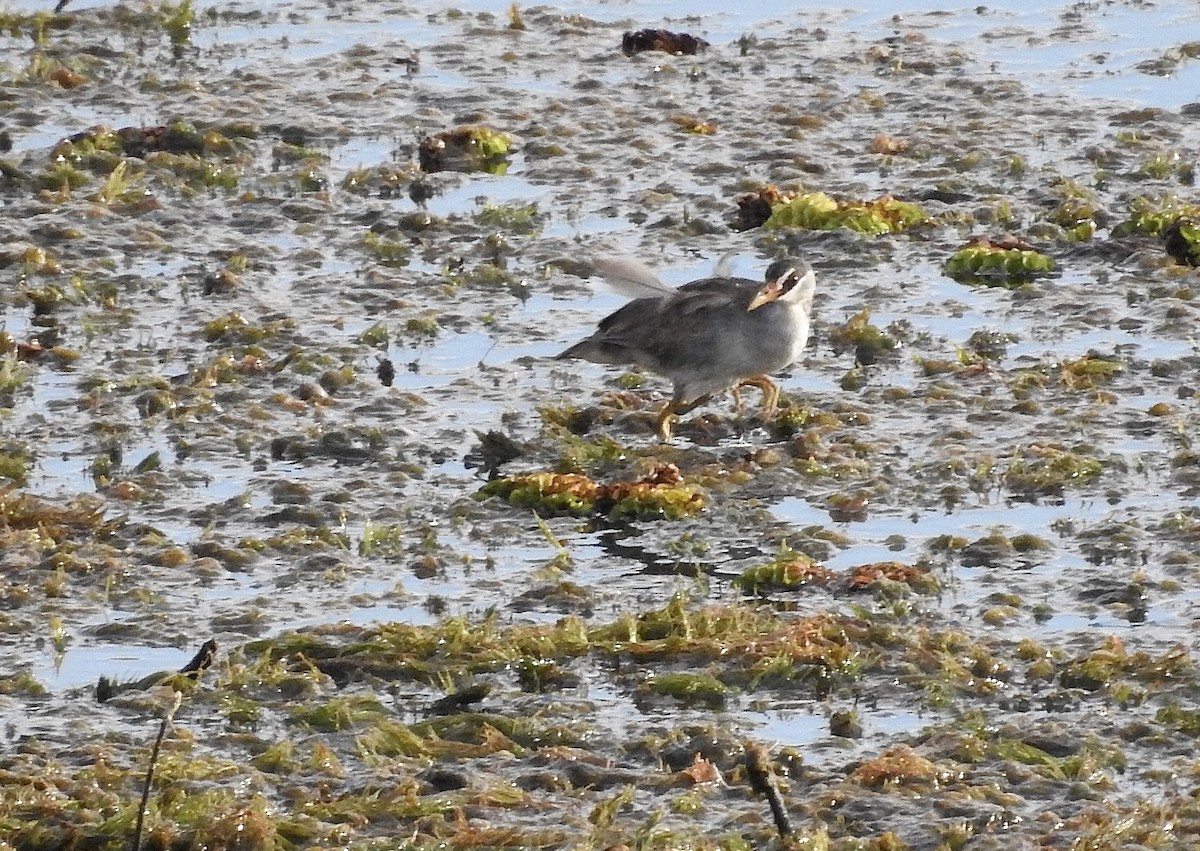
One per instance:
(630,278)
(664,333)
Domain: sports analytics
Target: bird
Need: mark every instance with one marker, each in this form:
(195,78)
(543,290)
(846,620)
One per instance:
(708,336)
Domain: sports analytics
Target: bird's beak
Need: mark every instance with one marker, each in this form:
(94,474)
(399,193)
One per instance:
(766,295)
(771,291)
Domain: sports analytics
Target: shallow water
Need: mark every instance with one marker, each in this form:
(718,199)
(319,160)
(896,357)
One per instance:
(930,452)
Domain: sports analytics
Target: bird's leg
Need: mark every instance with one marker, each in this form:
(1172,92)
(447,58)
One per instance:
(665,420)
(770,394)
(737,399)
(670,413)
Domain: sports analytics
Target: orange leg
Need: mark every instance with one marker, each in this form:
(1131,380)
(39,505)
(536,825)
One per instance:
(670,413)
(770,394)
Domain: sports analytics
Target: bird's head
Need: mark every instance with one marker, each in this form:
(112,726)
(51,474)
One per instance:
(789,280)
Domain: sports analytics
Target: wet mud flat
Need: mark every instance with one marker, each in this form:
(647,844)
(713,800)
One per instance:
(282,291)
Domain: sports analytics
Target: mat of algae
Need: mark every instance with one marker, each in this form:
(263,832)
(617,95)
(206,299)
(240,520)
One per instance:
(951,588)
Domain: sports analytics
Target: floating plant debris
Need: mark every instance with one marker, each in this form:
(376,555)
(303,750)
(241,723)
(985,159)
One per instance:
(664,40)
(692,124)
(869,342)
(177,138)
(791,570)
(818,211)
(1154,216)
(919,579)
(662,493)
(1003,260)
(465,149)
(215,453)
(494,450)
(1181,239)
(754,208)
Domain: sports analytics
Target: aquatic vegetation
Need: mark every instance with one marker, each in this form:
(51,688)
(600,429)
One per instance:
(312,179)
(1085,373)
(1088,372)
(917,578)
(869,342)
(1006,261)
(1181,240)
(285,152)
(787,571)
(1108,667)
(1159,166)
(121,189)
(14,459)
(22,684)
(680,44)
(383,540)
(177,21)
(688,688)
(180,137)
(1044,470)
(341,713)
(63,177)
(387,179)
(377,336)
(472,148)
(53,524)
(514,217)
(515,21)
(899,766)
(1153,215)
(692,124)
(386,250)
(818,211)
(754,208)
(194,172)
(35,25)
(233,327)
(1077,217)
(661,493)
(14,376)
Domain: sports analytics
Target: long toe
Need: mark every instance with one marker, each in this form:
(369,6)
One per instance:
(678,406)
(770,395)
(665,420)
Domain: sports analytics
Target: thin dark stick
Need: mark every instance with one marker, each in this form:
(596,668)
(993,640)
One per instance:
(162,731)
(762,781)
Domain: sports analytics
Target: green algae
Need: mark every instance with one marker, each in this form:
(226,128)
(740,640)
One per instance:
(341,713)
(1152,215)
(879,576)
(661,494)
(818,211)
(995,262)
(22,684)
(469,148)
(514,217)
(787,572)
(869,342)
(886,634)
(1041,470)
(690,689)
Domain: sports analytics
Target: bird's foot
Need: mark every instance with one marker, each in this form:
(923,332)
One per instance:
(670,413)
(770,402)
(665,421)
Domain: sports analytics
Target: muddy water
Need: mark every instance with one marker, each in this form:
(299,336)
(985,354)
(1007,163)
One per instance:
(243,500)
